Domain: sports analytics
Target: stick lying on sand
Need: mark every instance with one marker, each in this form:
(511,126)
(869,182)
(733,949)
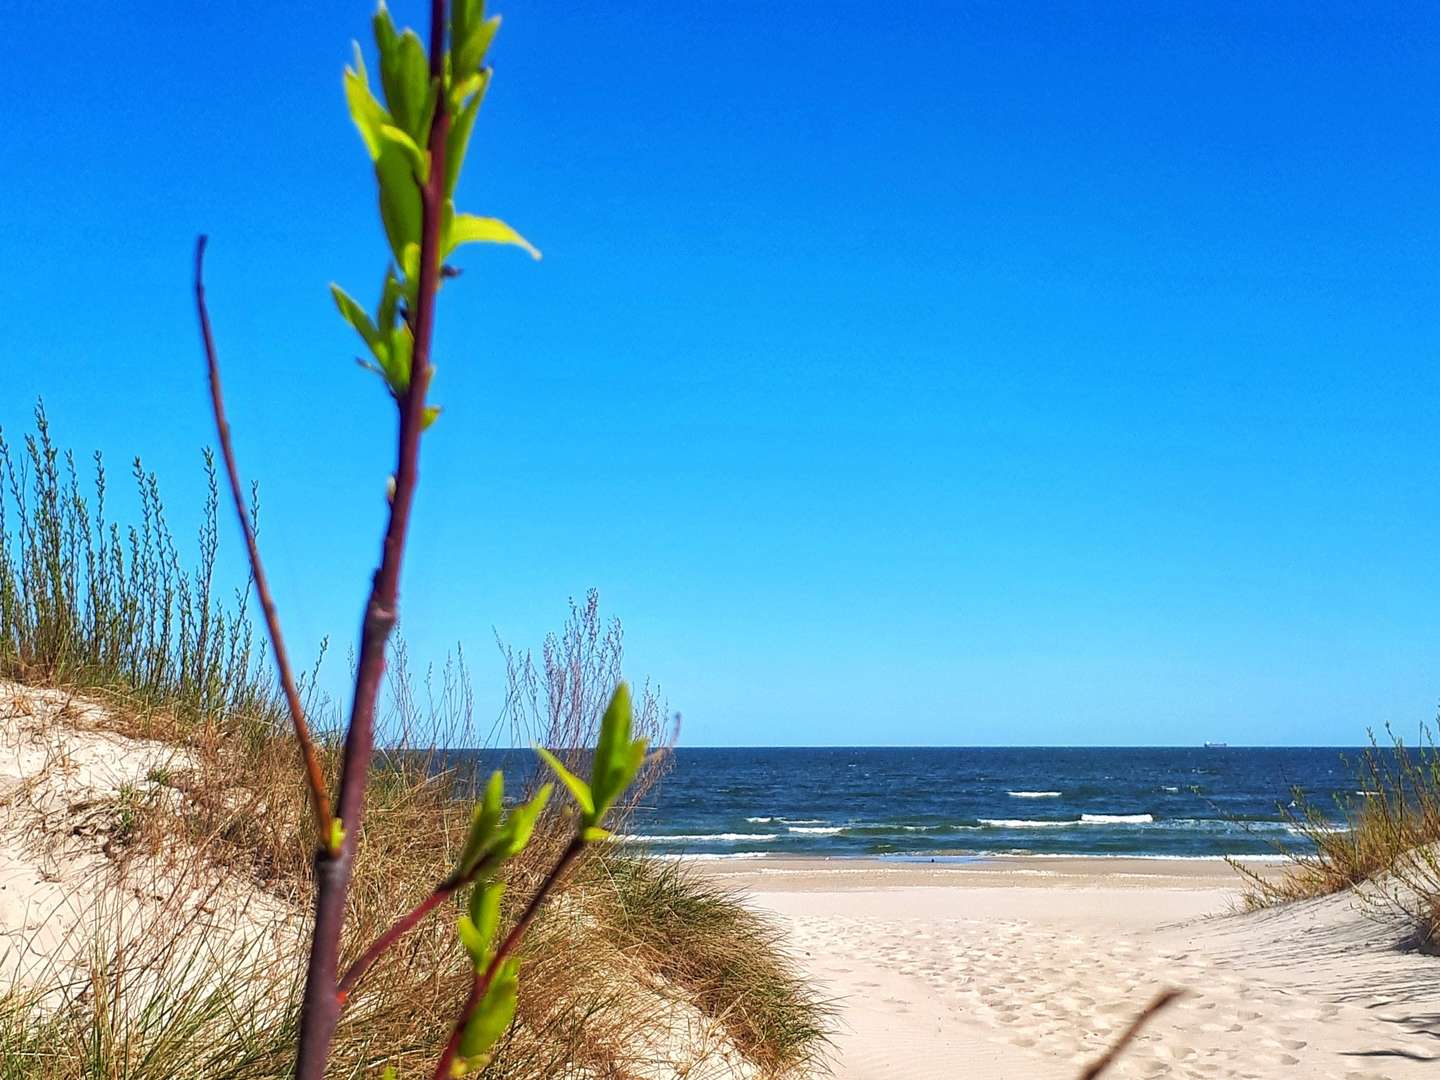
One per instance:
(1105,1060)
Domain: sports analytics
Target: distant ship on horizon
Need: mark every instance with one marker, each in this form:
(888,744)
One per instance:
(1216,745)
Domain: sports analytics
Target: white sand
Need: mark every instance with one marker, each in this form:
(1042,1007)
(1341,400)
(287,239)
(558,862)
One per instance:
(1030,968)
(69,897)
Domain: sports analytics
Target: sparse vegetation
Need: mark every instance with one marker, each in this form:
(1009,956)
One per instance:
(699,936)
(85,602)
(238,810)
(1386,839)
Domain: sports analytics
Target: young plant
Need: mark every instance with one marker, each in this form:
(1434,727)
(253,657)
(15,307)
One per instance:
(417,139)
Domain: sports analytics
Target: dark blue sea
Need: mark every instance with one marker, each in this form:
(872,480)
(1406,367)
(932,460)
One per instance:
(928,802)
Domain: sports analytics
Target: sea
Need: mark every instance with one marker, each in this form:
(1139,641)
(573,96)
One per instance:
(960,803)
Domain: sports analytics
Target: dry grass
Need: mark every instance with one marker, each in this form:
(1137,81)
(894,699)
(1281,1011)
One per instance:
(86,605)
(1387,839)
(728,960)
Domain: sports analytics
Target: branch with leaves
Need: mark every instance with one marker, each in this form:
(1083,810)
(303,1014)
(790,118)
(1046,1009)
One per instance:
(490,1006)
(417,139)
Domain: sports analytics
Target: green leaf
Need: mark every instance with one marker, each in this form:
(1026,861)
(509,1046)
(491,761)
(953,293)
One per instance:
(432,413)
(427,113)
(419,159)
(465,15)
(475,942)
(410,267)
(596,835)
(579,790)
(617,758)
(367,113)
(460,92)
(485,911)
(399,197)
(493,1016)
(355,315)
(396,360)
(458,141)
(484,824)
(389,299)
(522,820)
(404,73)
(470,50)
(469,229)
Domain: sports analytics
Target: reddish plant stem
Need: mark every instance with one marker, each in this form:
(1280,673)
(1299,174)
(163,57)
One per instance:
(385,941)
(407,922)
(320,1011)
(314,776)
(480,986)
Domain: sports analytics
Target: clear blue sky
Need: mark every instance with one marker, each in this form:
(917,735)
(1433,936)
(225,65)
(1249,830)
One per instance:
(915,373)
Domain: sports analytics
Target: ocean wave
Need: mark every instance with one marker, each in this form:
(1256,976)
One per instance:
(702,838)
(1220,825)
(1238,856)
(1171,789)
(1022,823)
(1033,794)
(785,821)
(1309,829)
(888,828)
(1085,819)
(816,830)
(712,856)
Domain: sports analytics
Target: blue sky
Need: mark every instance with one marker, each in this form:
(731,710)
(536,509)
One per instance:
(953,374)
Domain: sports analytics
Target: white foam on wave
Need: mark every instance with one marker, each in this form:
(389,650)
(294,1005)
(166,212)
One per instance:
(815,830)
(1033,794)
(702,838)
(1315,829)
(1148,857)
(1172,790)
(713,856)
(1022,823)
(785,821)
(1117,819)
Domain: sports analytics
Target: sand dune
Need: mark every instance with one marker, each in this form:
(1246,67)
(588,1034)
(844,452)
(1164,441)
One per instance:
(1026,969)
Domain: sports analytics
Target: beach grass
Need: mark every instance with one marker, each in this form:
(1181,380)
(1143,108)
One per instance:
(117,613)
(1386,837)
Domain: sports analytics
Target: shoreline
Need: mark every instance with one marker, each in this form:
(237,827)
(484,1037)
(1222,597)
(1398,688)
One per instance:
(879,870)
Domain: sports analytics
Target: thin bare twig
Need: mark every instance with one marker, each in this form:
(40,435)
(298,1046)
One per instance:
(314,776)
(320,1011)
(481,983)
(1162,1000)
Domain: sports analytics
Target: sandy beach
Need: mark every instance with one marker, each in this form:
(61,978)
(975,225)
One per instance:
(1029,967)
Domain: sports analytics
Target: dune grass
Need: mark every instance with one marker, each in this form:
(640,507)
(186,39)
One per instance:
(117,613)
(696,934)
(1386,838)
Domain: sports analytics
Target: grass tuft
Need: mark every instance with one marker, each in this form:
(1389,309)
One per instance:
(729,960)
(1385,844)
